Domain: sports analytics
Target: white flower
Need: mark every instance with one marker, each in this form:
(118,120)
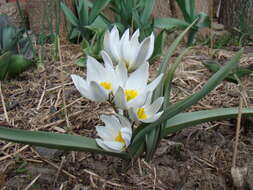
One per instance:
(100,79)
(133,91)
(148,112)
(128,51)
(115,135)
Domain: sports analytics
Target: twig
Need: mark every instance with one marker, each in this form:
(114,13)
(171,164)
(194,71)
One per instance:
(42,96)
(63,86)
(58,122)
(3,103)
(18,151)
(33,181)
(53,114)
(238,126)
(102,179)
(59,169)
(57,87)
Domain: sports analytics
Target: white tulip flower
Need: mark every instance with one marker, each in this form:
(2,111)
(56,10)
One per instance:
(134,90)
(115,135)
(100,79)
(128,51)
(148,113)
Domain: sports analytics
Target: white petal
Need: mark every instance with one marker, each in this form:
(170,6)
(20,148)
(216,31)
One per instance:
(135,38)
(107,60)
(139,101)
(95,70)
(121,74)
(126,135)
(112,122)
(154,83)
(112,43)
(132,114)
(98,92)
(154,107)
(110,146)
(152,118)
(151,46)
(138,79)
(144,53)
(120,99)
(114,146)
(82,86)
(124,121)
(104,133)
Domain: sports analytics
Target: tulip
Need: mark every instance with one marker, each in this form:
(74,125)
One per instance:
(134,90)
(148,113)
(128,51)
(100,79)
(116,135)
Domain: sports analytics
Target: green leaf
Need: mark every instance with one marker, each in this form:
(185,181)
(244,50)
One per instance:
(69,15)
(154,137)
(81,62)
(189,101)
(4,65)
(100,22)
(163,66)
(18,64)
(9,39)
(159,45)
(98,6)
(188,8)
(170,76)
(170,23)
(204,20)
(55,140)
(83,12)
(239,72)
(148,9)
(191,119)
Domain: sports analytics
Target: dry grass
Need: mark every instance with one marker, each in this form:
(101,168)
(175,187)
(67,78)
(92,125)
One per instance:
(34,101)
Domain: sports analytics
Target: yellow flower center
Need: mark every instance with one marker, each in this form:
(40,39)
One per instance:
(119,138)
(131,94)
(141,114)
(106,85)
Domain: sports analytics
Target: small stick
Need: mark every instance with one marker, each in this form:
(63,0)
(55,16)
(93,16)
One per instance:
(102,179)
(33,181)
(58,122)
(63,86)
(57,87)
(59,169)
(53,114)
(238,126)
(3,102)
(13,154)
(42,96)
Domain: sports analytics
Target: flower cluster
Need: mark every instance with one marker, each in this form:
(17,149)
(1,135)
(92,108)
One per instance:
(121,80)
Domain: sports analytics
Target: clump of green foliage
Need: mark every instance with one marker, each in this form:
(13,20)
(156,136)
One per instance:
(16,51)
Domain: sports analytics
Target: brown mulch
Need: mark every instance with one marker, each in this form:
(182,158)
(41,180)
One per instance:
(195,158)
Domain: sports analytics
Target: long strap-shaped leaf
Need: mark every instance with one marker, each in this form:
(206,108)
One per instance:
(180,106)
(185,120)
(55,140)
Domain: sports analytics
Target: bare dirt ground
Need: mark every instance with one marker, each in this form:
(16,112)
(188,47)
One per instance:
(195,158)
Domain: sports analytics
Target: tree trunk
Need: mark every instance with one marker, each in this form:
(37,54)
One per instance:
(236,14)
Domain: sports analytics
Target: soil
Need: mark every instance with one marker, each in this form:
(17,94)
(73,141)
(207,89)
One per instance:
(198,157)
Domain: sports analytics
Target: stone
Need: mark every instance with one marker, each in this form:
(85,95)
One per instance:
(49,153)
